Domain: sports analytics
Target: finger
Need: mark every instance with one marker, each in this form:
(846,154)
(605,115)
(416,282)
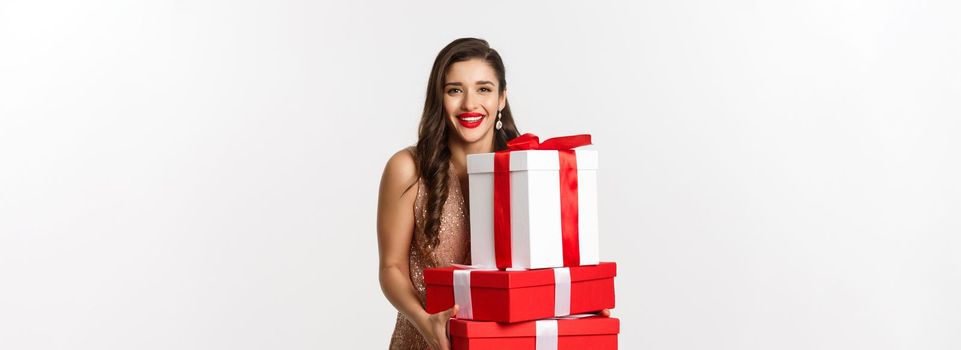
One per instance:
(605,313)
(449,313)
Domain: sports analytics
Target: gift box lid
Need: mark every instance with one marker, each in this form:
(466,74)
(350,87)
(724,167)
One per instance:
(565,326)
(530,160)
(519,279)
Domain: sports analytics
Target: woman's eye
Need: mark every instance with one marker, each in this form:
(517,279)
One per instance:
(451,91)
(485,89)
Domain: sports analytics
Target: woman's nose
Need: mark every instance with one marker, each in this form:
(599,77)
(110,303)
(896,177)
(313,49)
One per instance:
(470,101)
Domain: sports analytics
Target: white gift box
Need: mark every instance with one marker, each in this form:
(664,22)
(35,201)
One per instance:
(535,209)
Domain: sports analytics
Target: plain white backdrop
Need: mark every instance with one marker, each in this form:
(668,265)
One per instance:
(204,174)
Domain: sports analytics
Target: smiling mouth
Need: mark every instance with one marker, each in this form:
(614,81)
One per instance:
(470,120)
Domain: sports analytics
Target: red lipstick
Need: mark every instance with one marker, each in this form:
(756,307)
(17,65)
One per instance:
(470,120)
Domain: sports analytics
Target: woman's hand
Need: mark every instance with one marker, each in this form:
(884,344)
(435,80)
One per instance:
(604,313)
(434,329)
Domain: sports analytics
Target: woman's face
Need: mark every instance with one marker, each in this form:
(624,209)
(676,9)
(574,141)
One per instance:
(471,100)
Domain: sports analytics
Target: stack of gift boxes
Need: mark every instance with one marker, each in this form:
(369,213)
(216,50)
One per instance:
(536,281)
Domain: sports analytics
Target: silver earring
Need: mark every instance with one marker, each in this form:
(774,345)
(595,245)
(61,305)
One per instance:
(498,125)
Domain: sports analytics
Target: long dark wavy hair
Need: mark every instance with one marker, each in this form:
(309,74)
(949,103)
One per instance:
(433,152)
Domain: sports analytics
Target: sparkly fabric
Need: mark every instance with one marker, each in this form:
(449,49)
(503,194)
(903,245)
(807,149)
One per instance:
(454,248)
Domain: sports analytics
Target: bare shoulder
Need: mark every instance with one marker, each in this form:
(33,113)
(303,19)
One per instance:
(400,173)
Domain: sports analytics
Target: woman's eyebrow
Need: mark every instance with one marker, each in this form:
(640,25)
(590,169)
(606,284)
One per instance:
(479,82)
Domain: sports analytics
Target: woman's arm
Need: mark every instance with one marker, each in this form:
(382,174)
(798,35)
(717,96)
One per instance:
(395,228)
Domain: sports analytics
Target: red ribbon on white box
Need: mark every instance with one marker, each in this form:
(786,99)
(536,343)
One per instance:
(567,165)
(462,298)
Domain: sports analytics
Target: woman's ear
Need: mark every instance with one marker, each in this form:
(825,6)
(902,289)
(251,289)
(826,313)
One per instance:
(502,101)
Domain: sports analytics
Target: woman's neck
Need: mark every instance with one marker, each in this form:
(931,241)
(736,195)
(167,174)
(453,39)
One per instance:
(460,149)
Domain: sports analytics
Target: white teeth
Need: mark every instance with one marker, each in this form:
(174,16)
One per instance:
(471,119)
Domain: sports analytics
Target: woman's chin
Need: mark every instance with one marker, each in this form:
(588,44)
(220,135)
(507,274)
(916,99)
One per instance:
(474,135)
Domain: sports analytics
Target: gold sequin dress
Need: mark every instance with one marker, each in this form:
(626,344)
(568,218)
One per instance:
(454,248)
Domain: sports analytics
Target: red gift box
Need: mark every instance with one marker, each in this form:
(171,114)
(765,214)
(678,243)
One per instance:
(514,296)
(595,333)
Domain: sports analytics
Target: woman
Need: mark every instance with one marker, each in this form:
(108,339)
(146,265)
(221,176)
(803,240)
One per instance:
(422,211)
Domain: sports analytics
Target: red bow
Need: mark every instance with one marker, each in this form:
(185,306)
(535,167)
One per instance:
(568,185)
(531,142)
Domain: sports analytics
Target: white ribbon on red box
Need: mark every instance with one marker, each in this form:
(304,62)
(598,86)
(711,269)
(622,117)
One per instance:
(462,294)
(546,331)
(462,298)
(546,335)
(562,291)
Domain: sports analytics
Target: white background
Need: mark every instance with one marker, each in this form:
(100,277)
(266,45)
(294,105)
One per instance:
(204,174)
